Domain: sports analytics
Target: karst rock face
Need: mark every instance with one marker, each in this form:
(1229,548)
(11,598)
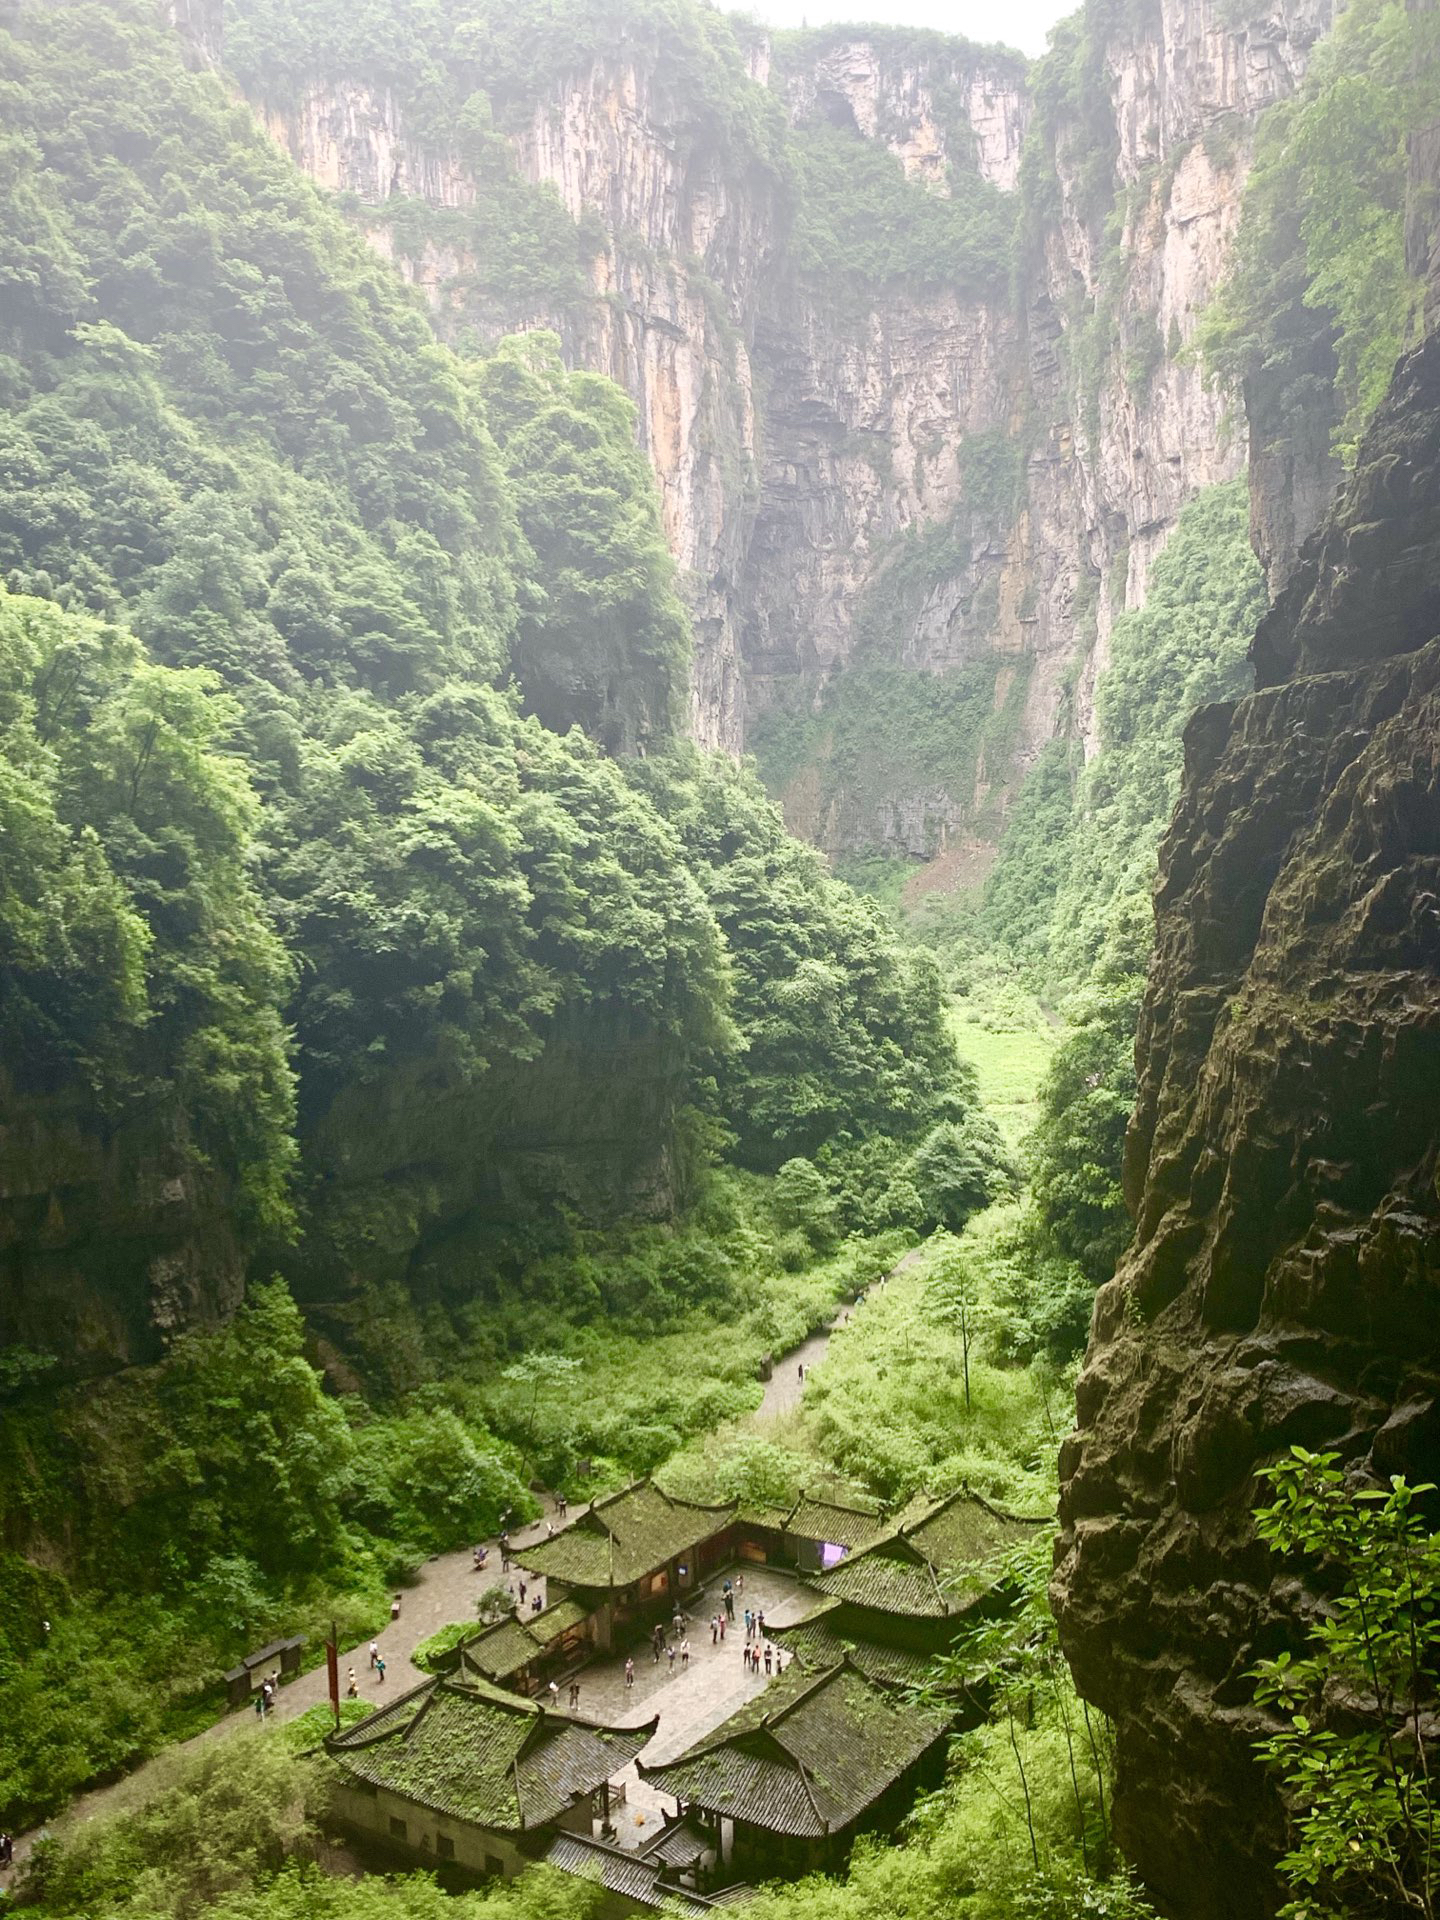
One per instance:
(1283,1286)
(798,435)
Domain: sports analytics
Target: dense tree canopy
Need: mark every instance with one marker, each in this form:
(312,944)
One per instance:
(317,803)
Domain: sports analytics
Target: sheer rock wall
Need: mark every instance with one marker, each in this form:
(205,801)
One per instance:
(796,438)
(1283,1286)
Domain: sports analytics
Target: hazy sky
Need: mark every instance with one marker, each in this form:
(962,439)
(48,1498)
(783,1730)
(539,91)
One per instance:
(1018,23)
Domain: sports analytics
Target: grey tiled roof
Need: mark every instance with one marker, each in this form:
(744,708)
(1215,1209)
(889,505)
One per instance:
(512,1644)
(630,1875)
(936,1561)
(464,1748)
(807,1756)
(819,1640)
(680,1843)
(834,1521)
(622,1538)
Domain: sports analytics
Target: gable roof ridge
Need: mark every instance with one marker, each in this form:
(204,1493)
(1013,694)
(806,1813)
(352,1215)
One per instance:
(1004,1513)
(366,1732)
(840,1506)
(822,1679)
(483,1688)
(806,1782)
(421,1712)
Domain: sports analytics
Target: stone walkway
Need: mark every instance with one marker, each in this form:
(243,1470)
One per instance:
(448,1589)
(689,1700)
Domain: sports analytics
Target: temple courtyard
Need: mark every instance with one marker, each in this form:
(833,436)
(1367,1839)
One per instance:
(691,1701)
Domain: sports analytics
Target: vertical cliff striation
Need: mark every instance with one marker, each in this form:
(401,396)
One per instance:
(1282,1162)
(912,472)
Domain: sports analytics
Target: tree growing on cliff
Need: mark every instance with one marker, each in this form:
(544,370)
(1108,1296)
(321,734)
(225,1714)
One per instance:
(1355,1753)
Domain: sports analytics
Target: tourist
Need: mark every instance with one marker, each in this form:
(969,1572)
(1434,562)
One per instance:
(260,1704)
(714,1629)
(629,1673)
(574,1696)
(768,1656)
(563,1505)
(722,1629)
(802,1371)
(670,1655)
(729,1600)
(395,1608)
(554,1691)
(684,1653)
(749,1622)
(380,1666)
(537,1605)
(7,1849)
(352,1692)
(523,1591)
(739,1583)
(549,1529)
(657,1641)
(760,1624)
(374,1651)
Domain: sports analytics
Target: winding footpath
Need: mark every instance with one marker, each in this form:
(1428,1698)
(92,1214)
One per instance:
(446,1590)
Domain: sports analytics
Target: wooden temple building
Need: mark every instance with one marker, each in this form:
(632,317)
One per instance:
(461,1771)
(905,1597)
(528,1650)
(788,1782)
(630,1558)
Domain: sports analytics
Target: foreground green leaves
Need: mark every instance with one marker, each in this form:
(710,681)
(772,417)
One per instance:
(1355,1757)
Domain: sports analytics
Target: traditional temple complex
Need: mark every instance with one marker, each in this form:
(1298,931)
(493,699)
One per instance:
(467,1770)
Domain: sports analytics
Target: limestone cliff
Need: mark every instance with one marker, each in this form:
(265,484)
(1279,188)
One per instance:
(803,438)
(1282,1283)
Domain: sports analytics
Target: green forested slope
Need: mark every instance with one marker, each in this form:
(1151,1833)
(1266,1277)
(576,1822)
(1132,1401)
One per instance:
(334,934)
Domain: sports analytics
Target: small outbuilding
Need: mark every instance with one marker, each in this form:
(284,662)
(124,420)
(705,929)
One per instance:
(526,1650)
(926,1578)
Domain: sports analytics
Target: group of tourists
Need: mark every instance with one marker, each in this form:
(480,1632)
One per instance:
(7,1850)
(267,1694)
(751,1654)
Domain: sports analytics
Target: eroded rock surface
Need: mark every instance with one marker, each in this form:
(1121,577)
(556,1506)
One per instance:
(1283,1286)
(800,437)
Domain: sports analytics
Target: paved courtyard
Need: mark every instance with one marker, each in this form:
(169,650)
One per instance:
(690,1701)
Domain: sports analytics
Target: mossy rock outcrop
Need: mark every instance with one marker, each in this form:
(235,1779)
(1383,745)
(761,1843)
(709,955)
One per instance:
(1283,1285)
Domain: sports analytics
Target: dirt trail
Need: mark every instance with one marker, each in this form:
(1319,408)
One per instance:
(785,1388)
